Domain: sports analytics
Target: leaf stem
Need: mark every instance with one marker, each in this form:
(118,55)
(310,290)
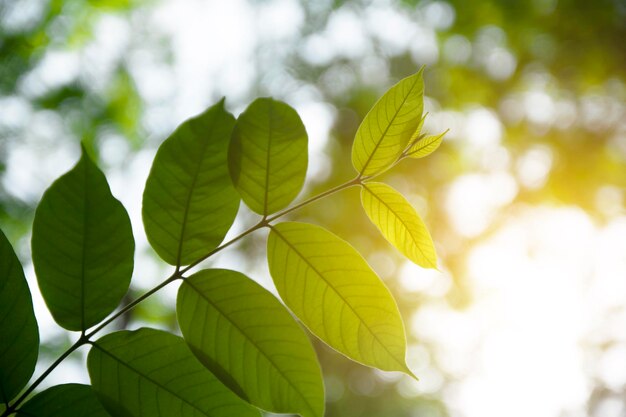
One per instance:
(12,408)
(178,274)
(355,181)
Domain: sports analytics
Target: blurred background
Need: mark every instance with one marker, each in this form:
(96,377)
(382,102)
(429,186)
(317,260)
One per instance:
(525,199)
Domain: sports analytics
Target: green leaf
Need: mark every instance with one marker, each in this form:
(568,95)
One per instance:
(268,155)
(332,289)
(19,343)
(153,373)
(75,400)
(388,127)
(246,337)
(189,202)
(425,145)
(398,221)
(82,246)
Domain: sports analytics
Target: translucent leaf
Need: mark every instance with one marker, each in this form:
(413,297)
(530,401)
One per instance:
(388,127)
(83,247)
(189,202)
(246,337)
(153,373)
(75,400)
(425,146)
(19,343)
(332,289)
(268,155)
(399,223)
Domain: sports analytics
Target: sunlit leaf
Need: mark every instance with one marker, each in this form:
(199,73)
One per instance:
(387,128)
(332,289)
(399,223)
(19,336)
(246,337)
(151,373)
(73,400)
(425,146)
(268,155)
(189,202)
(83,247)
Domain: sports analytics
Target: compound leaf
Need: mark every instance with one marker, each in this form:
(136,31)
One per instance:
(388,127)
(83,247)
(247,338)
(151,373)
(75,400)
(189,202)
(19,344)
(399,223)
(332,289)
(268,155)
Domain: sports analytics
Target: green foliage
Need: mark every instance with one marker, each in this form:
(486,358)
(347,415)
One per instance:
(129,370)
(189,180)
(268,155)
(242,350)
(83,247)
(19,344)
(398,221)
(224,315)
(336,294)
(388,127)
(75,400)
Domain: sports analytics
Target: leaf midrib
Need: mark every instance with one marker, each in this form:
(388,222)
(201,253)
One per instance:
(187,206)
(253,343)
(402,366)
(158,384)
(380,140)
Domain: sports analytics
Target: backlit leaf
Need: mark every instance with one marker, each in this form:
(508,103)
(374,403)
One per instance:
(387,128)
(425,146)
(268,155)
(189,202)
(246,337)
(152,373)
(336,294)
(83,247)
(399,223)
(75,400)
(19,340)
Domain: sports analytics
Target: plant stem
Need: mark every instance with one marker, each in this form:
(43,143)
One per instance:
(11,409)
(340,187)
(178,274)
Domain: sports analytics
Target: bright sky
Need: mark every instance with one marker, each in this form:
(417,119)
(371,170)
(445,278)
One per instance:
(548,286)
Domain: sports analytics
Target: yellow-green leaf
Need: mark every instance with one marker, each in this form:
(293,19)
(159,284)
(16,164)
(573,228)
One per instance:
(337,295)
(247,338)
(425,146)
(388,127)
(399,223)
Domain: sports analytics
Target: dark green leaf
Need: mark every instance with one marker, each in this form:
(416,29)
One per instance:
(332,289)
(147,373)
(19,340)
(246,337)
(83,247)
(68,400)
(189,202)
(268,155)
